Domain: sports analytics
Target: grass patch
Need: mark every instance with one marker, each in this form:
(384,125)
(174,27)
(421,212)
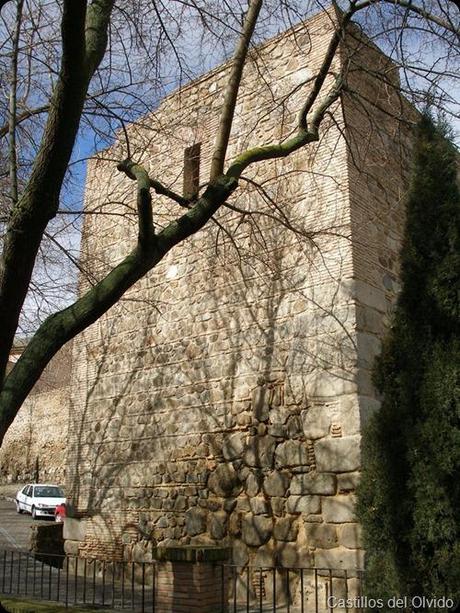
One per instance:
(19,605)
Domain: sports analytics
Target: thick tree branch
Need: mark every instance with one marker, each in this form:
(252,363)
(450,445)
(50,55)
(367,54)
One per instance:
(233,85)
(73,35)
(144,201)
(97,25)
(323,72)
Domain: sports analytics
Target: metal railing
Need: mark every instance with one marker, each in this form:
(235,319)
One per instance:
(121,585)
(75,581)
(293,590)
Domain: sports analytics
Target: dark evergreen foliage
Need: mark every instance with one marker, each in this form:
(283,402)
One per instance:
(409,498)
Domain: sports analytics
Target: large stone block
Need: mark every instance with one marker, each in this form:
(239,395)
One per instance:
(233,446)
(316,421)
(266,556)
(240,553)
(291,555)
(253,483)
(303,504)
(260,451)
(259,505)
(350,536)
(224,481)
(323,536)
(313,483)
(285,529)
(292,453)
(218,525)
(339,509)
(339,455)
(195,521)
(339,558)
(276,483)
(256,529)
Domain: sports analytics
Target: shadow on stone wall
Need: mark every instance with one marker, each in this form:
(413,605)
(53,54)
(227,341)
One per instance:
(222,436)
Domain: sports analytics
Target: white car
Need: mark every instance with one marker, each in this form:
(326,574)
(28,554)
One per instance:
(39,499)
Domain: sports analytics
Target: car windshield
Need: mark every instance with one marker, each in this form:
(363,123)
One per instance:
(48,491)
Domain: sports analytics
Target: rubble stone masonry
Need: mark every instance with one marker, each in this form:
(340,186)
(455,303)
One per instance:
(222,400)
(35,446)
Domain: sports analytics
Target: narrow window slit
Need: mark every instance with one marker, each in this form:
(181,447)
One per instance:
(192,170)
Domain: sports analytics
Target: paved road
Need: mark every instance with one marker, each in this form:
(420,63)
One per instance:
(14,528)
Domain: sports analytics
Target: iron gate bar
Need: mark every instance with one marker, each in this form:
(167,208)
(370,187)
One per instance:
(19,570)
(11,578)
(234,590)
(94,581)
(222,589)
(154,577)
(143,586)
(4,569)
(346,591)
(301,591)
(67,583)
(123,585)
(113,585)
(288,592)
(316,591)
(84,581)
(58,583)
(330,592)
(132,585)
(247,591)
(260,590)
(27,573)
(34,580)
(42,577)
(75,580)
(103,582)
(49,583)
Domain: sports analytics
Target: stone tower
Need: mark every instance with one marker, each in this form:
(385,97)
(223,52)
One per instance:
(222,400)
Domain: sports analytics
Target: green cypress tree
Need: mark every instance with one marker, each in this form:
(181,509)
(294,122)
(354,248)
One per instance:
(409,497)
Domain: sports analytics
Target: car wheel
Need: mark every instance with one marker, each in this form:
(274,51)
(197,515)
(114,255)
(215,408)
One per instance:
(34,514)
(18,507)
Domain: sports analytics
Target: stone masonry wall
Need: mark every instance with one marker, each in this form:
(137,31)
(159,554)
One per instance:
(35,446)
(220,402)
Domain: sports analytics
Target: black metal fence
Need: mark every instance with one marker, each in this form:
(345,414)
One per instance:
(132,585)
(75,581)
(293,590)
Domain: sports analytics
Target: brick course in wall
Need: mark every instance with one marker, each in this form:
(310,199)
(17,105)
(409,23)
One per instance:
(221,401)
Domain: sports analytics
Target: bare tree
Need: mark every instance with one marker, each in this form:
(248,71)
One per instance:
(94,66)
